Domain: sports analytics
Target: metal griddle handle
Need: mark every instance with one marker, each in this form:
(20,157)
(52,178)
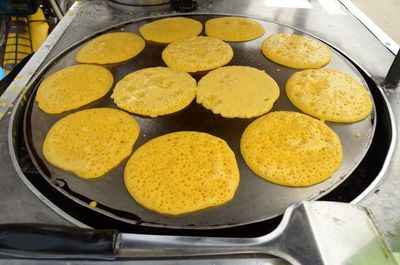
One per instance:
(392,78)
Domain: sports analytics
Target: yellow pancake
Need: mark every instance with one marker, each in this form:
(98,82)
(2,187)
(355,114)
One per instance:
(291,149)
(234,29)
(182,172)
(237,92)
(73,87)
(329,95)
(155,91)
(109,48)
(197,54)
(296,51)
(167,30)
(91,142)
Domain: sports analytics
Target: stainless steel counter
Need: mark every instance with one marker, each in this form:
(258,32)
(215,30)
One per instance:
(328,19)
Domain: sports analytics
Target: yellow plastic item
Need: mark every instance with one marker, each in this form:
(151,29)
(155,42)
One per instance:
(39,29)
(27,42)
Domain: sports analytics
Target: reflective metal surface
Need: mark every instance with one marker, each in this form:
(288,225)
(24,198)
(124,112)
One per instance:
(142,2)
(235,260)
(317,233)
(328,19)
(139,6)
(255,200)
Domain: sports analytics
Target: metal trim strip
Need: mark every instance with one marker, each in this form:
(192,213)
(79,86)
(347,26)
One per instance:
(388,42)
(382,174)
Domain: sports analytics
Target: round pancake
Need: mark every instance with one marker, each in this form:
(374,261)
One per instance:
(296,51)
(182,172)
(234,29)
(73,87)
(197,54)
(91,142)
(155,91)
(167,30)
(237,92)
(109,48)
(329,95)
(291,149)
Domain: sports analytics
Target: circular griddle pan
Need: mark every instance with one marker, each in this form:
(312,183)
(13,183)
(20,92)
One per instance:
(255,200)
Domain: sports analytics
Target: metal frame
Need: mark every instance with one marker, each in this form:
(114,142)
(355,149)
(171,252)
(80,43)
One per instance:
(382,54)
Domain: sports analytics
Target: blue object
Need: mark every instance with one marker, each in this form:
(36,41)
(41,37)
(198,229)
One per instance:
(2,74)
(19,7)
